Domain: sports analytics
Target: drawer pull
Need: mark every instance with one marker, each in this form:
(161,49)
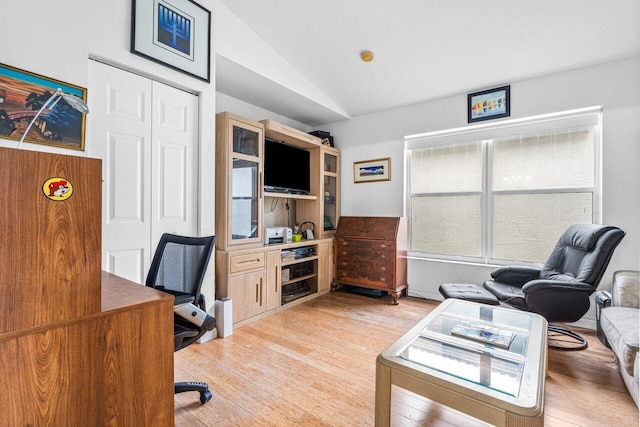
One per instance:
(249,261)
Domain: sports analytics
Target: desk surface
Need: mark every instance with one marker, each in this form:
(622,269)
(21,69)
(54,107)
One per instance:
(119,293)
(110,367)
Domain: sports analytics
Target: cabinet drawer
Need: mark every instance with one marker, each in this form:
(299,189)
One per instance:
(383,228)
(246,262)
(366,249)
(365,273)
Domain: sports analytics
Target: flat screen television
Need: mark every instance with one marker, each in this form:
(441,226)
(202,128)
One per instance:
(286,168)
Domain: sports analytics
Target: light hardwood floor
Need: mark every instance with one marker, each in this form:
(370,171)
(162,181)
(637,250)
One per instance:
(314,365)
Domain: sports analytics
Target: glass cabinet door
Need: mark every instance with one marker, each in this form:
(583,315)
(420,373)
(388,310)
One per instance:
(331,199)
(244,199)
(246,141)
(245,206)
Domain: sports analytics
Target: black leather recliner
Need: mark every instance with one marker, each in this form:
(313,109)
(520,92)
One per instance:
(560,290)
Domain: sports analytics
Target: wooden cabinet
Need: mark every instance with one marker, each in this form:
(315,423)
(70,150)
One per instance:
(371,252)
(325,266)
(262,280)
(243,277)
(248,271)
(239,192)
(247,290)
(273,291)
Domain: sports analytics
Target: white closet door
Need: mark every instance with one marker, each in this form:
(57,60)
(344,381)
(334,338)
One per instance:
(146,135)
(174,161)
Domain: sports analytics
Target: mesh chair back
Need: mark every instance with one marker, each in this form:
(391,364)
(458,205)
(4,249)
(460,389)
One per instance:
(179,264)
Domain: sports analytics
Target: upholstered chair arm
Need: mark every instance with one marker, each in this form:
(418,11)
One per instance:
(515,275)
(558,300)
(625,289)
(537,285)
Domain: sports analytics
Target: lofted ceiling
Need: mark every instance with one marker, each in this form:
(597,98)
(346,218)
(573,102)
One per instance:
(424,49)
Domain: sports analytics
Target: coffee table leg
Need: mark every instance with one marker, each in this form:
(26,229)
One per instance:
(383,396)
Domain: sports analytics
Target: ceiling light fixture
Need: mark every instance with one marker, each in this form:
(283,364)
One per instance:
(366,56)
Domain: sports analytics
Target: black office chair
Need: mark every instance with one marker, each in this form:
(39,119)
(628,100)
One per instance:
(178,268)
(560,290)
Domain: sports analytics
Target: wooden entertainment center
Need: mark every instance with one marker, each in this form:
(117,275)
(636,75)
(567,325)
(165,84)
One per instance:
(262,278)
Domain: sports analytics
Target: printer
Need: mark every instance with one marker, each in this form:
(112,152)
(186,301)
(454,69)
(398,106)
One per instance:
(277,235)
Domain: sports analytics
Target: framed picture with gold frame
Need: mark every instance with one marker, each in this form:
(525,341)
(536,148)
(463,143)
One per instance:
(372,170)
(23,93)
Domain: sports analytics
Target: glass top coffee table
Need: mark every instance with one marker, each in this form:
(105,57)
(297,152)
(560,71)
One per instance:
(486,361)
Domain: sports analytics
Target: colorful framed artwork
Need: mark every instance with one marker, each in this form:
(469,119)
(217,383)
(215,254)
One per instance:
(489,104)
(372,170)
(175,33)
(23,93)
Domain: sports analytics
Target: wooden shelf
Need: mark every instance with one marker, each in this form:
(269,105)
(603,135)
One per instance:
(290,135)
(298,260)
(291,196)
(299,279)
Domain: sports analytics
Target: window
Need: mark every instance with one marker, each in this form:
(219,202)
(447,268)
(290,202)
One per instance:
(500,192)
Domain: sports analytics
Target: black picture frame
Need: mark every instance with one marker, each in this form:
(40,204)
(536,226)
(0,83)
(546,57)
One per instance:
(175,33)
(489,104)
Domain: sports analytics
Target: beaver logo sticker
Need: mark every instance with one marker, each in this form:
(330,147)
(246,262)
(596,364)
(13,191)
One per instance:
(57,189)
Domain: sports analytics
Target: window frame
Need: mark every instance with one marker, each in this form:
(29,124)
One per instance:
(591,116)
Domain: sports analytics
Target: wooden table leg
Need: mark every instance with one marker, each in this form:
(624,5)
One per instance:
(383,395)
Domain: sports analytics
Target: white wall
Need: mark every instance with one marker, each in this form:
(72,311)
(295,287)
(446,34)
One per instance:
(615,86)
(56,40)
(250,111)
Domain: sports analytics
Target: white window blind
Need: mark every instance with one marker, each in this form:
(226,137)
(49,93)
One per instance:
(504,191)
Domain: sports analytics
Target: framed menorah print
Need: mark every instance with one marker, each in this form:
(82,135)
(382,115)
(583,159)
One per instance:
(175,33)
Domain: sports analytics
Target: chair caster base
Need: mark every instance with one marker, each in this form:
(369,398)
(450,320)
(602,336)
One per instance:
(561,338)
(205,396)
(202,388)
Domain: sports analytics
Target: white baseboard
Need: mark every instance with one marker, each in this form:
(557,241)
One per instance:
(208,336)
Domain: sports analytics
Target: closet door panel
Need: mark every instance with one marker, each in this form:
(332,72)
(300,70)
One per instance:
(120,128)
(174,161)
(146,134)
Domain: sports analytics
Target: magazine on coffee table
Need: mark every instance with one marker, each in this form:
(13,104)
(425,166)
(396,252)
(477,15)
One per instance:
(483,333)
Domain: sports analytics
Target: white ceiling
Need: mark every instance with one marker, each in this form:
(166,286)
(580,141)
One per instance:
(424,49)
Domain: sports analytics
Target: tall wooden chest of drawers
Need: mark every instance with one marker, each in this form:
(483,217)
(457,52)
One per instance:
(371,252)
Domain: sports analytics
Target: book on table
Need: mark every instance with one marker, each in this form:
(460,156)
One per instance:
(483,333)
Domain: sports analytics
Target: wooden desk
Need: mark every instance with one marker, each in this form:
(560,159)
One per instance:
(111,367)
(371,252)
